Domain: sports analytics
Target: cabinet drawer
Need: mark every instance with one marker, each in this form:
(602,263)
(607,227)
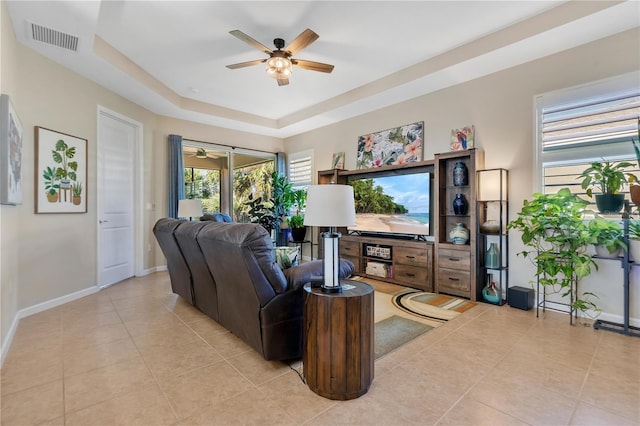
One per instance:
(454,259)
(411,275)
(349,248)
(454,282)
(411,256)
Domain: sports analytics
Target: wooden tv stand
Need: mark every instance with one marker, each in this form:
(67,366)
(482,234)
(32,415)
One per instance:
(398,261)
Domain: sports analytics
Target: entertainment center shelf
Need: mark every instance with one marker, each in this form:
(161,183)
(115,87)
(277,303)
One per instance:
(404,262)
(441,262)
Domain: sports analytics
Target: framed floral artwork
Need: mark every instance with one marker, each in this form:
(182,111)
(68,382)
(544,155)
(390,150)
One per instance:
(399,145)
(462,138)
(10,154)
(61,172)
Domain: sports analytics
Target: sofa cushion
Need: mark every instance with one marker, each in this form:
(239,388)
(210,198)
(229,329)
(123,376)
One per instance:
(251,237)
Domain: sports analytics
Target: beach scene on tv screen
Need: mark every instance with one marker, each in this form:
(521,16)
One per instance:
(392,204)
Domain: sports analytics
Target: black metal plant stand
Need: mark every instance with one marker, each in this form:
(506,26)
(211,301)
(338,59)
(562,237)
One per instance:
(624,327)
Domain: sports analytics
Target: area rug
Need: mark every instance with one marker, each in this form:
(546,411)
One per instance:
(402,313)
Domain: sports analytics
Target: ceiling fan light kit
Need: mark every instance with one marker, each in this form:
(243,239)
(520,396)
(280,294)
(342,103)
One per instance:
(279,67)
(280,63)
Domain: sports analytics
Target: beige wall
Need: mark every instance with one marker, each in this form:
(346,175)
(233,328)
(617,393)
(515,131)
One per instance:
(501,106)
(47,256)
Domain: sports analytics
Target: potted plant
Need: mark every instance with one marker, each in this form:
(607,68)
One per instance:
(608,177)
(634,240)
(296,221)
(607,237)
(50,184)
(634,185)
(77,193)
(67,170)
(553,230)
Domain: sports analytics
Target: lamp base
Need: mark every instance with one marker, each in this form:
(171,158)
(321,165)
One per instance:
(333,289)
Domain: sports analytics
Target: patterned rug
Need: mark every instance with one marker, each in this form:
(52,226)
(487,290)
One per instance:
(402,313)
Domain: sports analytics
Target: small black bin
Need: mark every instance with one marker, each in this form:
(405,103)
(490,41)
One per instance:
(521,298)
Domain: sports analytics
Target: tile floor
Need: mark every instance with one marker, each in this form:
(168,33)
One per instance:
(135,354)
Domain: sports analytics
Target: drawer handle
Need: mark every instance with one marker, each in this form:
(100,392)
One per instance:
(453,279)
(410,275)
(410,257)
(454,259)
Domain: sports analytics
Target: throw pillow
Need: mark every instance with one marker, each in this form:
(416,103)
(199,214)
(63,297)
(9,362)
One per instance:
(287,257)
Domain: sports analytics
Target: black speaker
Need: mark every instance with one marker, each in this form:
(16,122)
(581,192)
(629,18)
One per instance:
(521,298)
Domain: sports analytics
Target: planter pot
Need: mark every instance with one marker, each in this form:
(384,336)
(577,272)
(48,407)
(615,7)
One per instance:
(298,234)
(76,201)
(52,198)
(634,250)
(610,203)
(634,190)
(602,251)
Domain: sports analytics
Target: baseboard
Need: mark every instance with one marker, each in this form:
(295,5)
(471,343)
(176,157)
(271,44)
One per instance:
(146,272)
(8,339)
(40,307)
(635,322)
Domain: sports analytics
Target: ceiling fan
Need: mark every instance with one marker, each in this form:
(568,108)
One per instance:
(199,153)
(280,61)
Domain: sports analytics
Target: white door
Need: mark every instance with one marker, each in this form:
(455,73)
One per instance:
(117,139)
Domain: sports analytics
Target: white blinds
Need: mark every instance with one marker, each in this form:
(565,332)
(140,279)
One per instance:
(605,119)
(301,169)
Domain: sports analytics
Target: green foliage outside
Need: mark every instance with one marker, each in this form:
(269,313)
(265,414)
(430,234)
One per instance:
(205,185)
(372,199)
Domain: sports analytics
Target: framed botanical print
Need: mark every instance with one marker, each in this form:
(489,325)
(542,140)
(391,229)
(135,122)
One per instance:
(61,172)
(10,154)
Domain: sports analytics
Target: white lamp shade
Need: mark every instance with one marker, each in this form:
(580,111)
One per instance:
(492,185)
(330,205)
(189,208)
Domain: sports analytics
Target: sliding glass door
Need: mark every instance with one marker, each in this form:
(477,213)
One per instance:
(225,178)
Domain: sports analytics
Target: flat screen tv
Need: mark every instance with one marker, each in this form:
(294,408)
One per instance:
(394,204)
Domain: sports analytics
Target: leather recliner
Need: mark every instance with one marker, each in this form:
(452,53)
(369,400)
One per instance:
(256,300)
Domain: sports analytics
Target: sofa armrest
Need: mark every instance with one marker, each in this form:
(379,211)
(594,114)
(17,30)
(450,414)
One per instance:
(297,276)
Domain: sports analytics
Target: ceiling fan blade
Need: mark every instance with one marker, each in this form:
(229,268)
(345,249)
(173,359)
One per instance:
(303,40)
(313,66)
(250,41)
(283,81)
(245,64)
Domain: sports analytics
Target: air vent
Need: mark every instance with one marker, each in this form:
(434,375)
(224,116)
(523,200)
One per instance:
(54,37)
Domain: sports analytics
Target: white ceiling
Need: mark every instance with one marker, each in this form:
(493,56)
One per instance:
(170,56)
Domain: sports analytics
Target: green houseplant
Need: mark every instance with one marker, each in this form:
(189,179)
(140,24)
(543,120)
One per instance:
(66,172)
(634,240)
(634,185)
(50,184)
(553,230)
(608,178)
(607,237)
(77,193)
(296,221)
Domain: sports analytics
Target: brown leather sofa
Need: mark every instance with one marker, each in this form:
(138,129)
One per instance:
(228,271)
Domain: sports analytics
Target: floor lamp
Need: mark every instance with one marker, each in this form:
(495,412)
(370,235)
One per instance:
(331,206)
(190,208)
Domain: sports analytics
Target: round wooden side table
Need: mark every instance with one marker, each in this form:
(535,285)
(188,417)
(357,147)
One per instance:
(338,340)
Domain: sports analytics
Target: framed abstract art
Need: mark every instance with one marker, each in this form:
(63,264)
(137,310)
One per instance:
(399,145)
(10,154)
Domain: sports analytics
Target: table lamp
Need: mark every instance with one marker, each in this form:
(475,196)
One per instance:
(190,208)
(331,206)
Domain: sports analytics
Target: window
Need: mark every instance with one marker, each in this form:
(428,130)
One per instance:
(301,169)
(586,124)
